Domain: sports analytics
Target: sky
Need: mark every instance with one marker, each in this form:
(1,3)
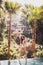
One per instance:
(36,3)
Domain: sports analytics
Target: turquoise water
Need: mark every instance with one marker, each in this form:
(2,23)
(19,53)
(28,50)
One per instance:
(22,62)
(27,62)
(35,62)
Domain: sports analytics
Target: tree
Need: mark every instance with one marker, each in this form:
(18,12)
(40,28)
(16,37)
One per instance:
(33,14)
(11,8)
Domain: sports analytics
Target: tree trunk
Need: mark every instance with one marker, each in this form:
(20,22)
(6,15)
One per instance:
(9,37)
(34,35)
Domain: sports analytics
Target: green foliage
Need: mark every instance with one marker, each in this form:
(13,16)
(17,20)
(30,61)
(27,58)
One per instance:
(1,37)
(11,6)
(7,5)
(33,13)
(39,54)
(2,24)
(4,52)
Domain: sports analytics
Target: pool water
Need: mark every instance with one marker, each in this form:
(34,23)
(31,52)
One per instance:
(22,62)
